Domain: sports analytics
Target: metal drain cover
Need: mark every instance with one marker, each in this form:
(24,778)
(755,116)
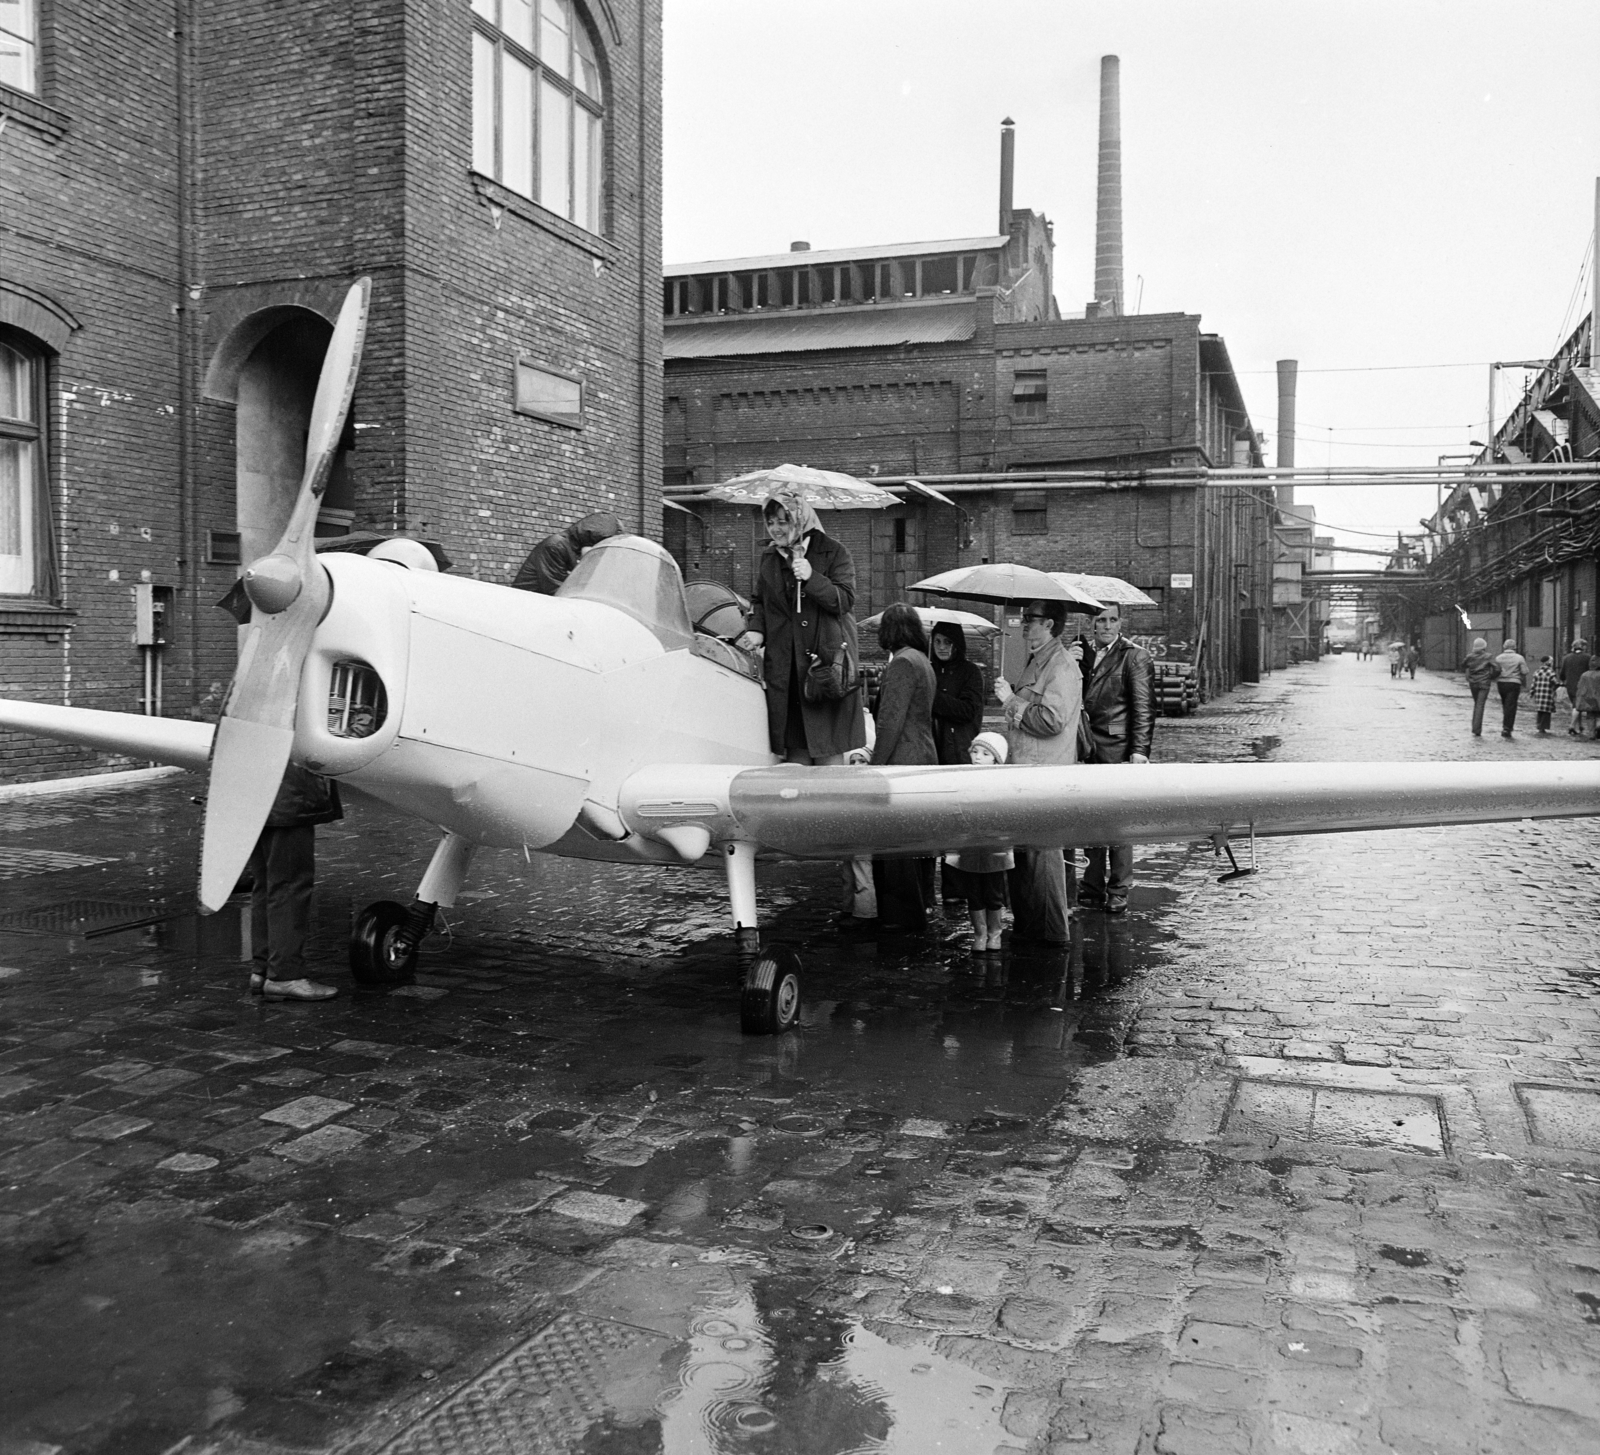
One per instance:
(1562,1116)
(20,863)
(1403,1120)
(540,1398)
(74,916)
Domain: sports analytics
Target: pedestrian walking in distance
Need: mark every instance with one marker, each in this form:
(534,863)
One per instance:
(1573,666)
(1120,702)
(1588,700)
(1542,694)
(1513,678)
(1482,673)
(1042,713)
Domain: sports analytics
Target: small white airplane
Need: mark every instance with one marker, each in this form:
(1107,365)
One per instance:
(597,723)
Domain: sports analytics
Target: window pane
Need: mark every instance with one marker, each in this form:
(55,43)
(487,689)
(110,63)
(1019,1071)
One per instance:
(485,8)
(585,69)
(553,36)
(482,104)
(16,517)
(516,125)
(586,164)
(17,399)
(552,395)
(555,147)
(16,64)
(516,19)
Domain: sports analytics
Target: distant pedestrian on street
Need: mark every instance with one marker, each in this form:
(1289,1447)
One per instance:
(1396,654)
(1588,700)
(1411,656)
(1542,694)
(1573,666)
(1513,678)
(1120,701)
(978,876)
(1482,673)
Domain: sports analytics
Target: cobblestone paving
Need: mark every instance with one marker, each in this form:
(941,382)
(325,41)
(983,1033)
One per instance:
(1307,1162)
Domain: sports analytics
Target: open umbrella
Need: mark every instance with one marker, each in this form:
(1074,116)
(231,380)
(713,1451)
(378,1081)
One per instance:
(1104,588)
(825,489)
(930,616)
(1001,581)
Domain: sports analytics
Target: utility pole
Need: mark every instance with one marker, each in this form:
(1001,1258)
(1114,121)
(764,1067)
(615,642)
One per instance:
(1594,278)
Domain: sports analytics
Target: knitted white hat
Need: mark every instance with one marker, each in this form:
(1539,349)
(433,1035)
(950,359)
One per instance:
(996,744)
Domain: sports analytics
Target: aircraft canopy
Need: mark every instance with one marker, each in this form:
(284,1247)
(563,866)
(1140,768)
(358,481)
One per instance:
(639,577)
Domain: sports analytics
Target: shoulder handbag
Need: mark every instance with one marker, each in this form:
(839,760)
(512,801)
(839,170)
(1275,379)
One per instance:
(1086,743)
(830,676)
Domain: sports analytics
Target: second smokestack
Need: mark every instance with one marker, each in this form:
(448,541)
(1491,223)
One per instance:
(1108,216)
(1288,370)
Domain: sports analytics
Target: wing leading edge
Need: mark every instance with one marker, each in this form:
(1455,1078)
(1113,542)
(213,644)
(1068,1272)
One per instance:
(160,739)
(835,812)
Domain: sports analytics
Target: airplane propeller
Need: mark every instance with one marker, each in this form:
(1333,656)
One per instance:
(289,595)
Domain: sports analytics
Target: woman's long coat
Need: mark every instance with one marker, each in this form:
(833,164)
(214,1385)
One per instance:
(957,708)
(821,621)
(905,711)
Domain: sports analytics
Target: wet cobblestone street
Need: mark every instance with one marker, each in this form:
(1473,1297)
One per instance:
(1307,1162)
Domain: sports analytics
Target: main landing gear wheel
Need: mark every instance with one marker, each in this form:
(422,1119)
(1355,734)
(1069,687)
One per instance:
(379,953)
(770,1002)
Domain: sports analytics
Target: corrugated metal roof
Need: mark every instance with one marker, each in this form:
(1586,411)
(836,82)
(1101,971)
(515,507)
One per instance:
(817,257)
(800,331)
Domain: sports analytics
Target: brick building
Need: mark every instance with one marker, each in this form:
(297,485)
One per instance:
(1519,550)
(1069,442)
(181,211)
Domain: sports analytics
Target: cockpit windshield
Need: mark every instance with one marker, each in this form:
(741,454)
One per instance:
(639,577)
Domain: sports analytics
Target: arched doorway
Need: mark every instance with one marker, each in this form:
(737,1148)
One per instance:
(268,367)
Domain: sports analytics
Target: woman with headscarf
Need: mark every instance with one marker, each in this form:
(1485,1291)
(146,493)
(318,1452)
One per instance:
(801,612)
(958,693)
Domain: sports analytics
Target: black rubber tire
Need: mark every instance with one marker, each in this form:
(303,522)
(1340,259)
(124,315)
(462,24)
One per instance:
(770,1001)
(373,960)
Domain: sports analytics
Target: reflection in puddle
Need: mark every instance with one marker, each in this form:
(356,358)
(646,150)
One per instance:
(762,1374)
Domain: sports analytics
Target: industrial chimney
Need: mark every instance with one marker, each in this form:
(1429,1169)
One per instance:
(1008,163)
(1108,217)
(1288,369)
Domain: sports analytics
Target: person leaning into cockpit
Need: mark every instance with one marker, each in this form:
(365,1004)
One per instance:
(805,594)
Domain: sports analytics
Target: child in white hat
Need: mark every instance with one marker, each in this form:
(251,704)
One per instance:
(979,875)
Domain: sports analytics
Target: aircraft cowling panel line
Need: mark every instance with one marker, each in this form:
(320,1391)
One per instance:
(834,812)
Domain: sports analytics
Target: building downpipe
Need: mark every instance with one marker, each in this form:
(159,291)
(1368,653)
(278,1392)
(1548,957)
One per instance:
(1108,212)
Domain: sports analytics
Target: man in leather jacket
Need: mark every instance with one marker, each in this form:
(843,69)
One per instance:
(1119,698)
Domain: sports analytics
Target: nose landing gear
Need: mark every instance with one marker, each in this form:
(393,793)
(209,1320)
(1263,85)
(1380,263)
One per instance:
(770,1001)
(384,940)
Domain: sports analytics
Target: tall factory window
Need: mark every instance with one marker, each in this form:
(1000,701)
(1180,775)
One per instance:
(1030,516)
(23,510)
(19,45)
(939,275)
(538,107)
(1030,395)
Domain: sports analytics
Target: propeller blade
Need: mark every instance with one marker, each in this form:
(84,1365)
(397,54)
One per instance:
(289,593)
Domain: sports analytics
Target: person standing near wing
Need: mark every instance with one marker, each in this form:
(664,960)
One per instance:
(805,594)
(958,698)
(1042,713)
(1120,701)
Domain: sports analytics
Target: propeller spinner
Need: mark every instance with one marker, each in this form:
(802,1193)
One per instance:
(289,593)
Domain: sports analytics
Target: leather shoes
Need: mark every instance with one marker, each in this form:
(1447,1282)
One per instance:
(257,980)
(297,990)
(1116,906)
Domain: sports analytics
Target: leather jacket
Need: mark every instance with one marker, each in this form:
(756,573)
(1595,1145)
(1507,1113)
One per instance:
(1120,700)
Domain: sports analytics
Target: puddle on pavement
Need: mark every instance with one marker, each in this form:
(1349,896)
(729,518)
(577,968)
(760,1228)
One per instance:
(1265,745)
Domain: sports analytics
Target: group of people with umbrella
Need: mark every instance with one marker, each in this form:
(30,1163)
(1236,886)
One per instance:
(931,700)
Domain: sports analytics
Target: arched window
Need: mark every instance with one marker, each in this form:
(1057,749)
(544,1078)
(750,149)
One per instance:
(23,508)
(538,108)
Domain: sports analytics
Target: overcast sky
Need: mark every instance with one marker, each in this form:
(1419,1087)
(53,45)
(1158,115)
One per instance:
(1359,185)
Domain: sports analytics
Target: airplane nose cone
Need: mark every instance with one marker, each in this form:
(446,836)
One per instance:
(272,583)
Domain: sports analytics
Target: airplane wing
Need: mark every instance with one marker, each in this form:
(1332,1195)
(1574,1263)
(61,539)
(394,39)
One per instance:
(838,812)
(160,739)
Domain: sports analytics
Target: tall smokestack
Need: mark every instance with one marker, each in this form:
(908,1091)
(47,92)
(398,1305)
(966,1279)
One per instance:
(1008,165)
(1288,370)
(1108,218)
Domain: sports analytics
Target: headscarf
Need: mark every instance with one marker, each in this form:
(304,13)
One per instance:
(957,639)
(1479,645)
(802,517)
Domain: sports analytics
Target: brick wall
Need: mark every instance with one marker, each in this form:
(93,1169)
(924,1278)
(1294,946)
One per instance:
(330,139)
